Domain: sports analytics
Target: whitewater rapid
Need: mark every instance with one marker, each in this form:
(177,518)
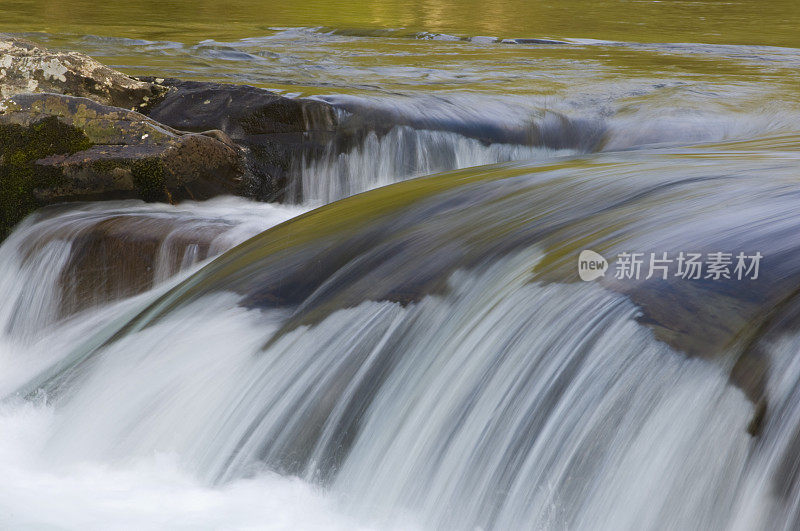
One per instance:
(502,404)
(42,489)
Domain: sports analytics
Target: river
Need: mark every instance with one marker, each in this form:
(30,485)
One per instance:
(407,344)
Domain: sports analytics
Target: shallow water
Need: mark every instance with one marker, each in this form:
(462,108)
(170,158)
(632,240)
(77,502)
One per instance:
(459,104)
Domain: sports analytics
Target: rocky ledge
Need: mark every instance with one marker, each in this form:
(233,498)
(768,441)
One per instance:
(72,129)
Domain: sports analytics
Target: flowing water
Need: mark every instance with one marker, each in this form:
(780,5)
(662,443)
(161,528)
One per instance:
(424,355)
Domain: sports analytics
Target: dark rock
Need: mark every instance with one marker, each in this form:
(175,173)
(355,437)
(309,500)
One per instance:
(26,67)
(62,148)
(274,131)
(533,41)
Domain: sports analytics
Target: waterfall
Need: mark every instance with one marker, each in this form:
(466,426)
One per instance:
(386,140)
(420,356)
(46,279)
(407,342)
(402,153)
(457,411)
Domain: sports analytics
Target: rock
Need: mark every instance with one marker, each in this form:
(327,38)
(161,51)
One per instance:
(279,133)
(56,148)
(80,137)
(756,423)
(125,255)
(118,251)
(26,67)
(274,131)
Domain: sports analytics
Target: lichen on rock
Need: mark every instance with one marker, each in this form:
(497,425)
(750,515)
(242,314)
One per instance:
(27,67)
(149,178)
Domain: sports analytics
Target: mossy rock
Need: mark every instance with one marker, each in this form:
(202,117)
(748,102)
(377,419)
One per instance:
(149,178)
(27,67)
(20,147)
(102,124)
(56,148)
(45,137)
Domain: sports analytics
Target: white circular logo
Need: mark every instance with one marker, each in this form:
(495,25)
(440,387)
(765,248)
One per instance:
(591,265)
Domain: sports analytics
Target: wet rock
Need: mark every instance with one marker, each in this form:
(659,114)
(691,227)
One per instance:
(274,131)
(60,148)
(104,254)
(26,67)
(122,256)
(533,41)
(756,424)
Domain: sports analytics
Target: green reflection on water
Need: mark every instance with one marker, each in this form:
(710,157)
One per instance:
(774,22)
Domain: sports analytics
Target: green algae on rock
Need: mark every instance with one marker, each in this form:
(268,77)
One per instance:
(19,147)
(60,148)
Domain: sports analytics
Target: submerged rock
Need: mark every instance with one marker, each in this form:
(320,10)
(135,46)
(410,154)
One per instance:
(128,255)
(26,67)
(58,148)
(405,242)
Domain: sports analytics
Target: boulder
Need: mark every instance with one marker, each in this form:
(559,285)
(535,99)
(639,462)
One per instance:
(270,134)
(275,132)
(26,67)
(100,255)
(56,148)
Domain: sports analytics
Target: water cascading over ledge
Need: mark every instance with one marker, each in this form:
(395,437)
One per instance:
(315,151)
(426,351)
(69,258)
